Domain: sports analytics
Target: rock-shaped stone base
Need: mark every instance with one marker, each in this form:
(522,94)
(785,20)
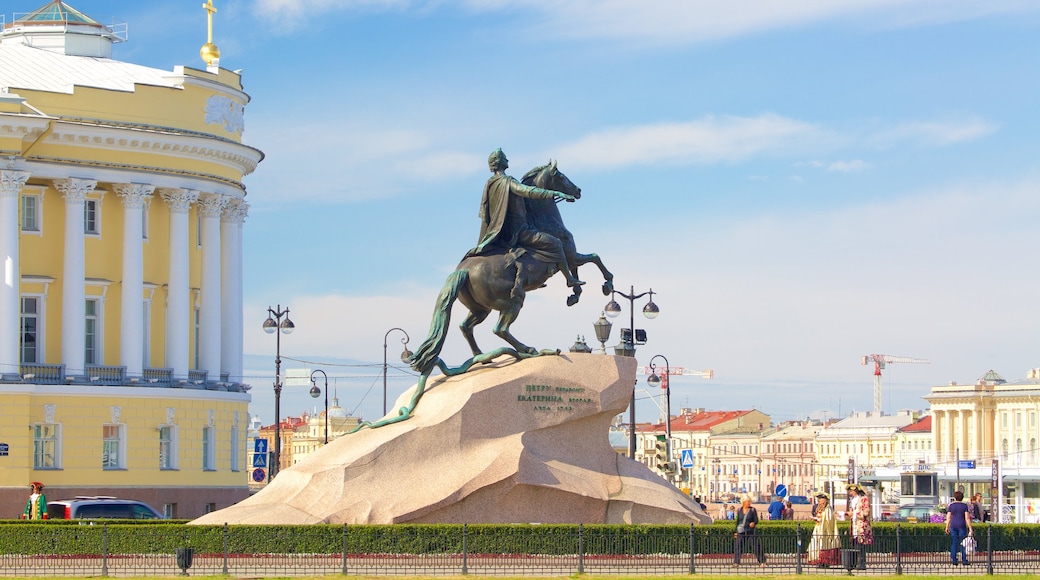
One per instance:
(511,442)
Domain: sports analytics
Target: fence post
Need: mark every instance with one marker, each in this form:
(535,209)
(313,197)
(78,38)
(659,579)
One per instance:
(226,531)
(989,549)
(343,565)
(104,549)
(581,549)
(798,550)
(899,550)
(465,550)
(692,549)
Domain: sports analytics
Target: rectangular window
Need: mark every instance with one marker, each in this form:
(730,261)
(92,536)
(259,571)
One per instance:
(208,448)
(167,448)
(46,446)
(196,332)
(146,348)
(1018,419)
(91,217)
(144,221)
(91,343)
(234,448)
(169,511)
(31,346)
(31,213)
(112,447)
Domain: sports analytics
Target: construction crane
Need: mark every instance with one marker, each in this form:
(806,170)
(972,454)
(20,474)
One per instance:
(880,360)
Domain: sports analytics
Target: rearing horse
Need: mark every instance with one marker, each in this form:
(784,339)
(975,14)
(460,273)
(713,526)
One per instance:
(501,281)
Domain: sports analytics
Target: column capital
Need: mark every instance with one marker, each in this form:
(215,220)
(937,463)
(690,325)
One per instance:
(134,195)
(75,189)
(236,211)
(11,182)
(178,199)
(211,204)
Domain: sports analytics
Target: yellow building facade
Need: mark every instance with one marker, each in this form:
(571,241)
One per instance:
(121,211)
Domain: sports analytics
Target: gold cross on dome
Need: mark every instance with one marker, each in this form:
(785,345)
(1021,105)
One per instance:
(210,11)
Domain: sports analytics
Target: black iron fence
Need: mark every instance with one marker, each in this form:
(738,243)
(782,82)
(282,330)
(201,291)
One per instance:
(105,550)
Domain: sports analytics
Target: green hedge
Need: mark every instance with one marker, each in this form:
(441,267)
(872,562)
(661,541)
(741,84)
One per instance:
(136,537)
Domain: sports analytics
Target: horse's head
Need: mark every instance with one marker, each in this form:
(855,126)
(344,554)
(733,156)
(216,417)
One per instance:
(550,177)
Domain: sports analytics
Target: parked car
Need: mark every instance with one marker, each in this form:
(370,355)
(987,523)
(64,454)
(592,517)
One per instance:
(798,499)
(915,513)
(95,507)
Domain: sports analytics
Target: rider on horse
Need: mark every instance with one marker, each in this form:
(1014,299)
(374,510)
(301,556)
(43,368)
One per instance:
(504,225)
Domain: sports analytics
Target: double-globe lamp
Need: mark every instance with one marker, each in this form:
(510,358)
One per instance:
(628,340)
(277,319)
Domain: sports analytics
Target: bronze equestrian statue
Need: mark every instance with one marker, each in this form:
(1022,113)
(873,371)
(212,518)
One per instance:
(523,243)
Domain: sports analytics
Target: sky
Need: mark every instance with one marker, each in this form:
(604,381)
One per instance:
(800,183)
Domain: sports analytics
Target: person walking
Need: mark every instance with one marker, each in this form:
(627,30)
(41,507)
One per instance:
(976,507)
(958,526)
(747,521)
(788,513)
(776,508)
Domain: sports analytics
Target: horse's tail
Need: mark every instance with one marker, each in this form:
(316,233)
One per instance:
(427,353)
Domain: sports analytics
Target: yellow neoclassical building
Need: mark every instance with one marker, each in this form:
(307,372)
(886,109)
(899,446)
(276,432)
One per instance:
(121,211)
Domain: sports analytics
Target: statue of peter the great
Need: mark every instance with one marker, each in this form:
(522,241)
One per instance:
(504,224)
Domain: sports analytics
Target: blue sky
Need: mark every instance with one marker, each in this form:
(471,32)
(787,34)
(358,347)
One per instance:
(800,182)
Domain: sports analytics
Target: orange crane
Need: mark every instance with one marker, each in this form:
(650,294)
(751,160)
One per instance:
(880,360)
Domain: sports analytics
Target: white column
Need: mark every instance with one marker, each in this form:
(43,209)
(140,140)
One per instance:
(11,183)
(178,305)
(210,207)
(231,286)
(131,327)
(73,306)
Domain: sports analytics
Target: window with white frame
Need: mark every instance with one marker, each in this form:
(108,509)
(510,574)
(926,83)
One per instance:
(30,337)
(47,446)
(32,220)
(234,448)
(92,332)
(208,448)
(113,446)
(92,217)
(144,221)
(168,447)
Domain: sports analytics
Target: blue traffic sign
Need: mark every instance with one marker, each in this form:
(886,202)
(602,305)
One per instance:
(966,464)
(781,490)
(687,458)
(260,446)
(260,460)
(259,475)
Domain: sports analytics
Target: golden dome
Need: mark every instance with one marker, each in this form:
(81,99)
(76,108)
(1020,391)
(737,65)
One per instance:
(210,53)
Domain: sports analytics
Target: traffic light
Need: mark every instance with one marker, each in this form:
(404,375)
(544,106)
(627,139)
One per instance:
(661,455)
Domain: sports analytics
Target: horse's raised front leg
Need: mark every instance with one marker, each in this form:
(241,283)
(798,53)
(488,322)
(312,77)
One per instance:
(505,319)
(608,278)
(472,319)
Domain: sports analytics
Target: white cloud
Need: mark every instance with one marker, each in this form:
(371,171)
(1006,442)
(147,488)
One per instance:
(710,139)
(854,165)
(671,21)
(933,133)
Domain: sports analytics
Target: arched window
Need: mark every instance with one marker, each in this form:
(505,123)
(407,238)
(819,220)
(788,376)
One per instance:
(1004,449)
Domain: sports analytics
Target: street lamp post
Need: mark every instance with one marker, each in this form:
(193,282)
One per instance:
(275,323)
(655,381)
(404,358)
(315,391)
(627,345)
